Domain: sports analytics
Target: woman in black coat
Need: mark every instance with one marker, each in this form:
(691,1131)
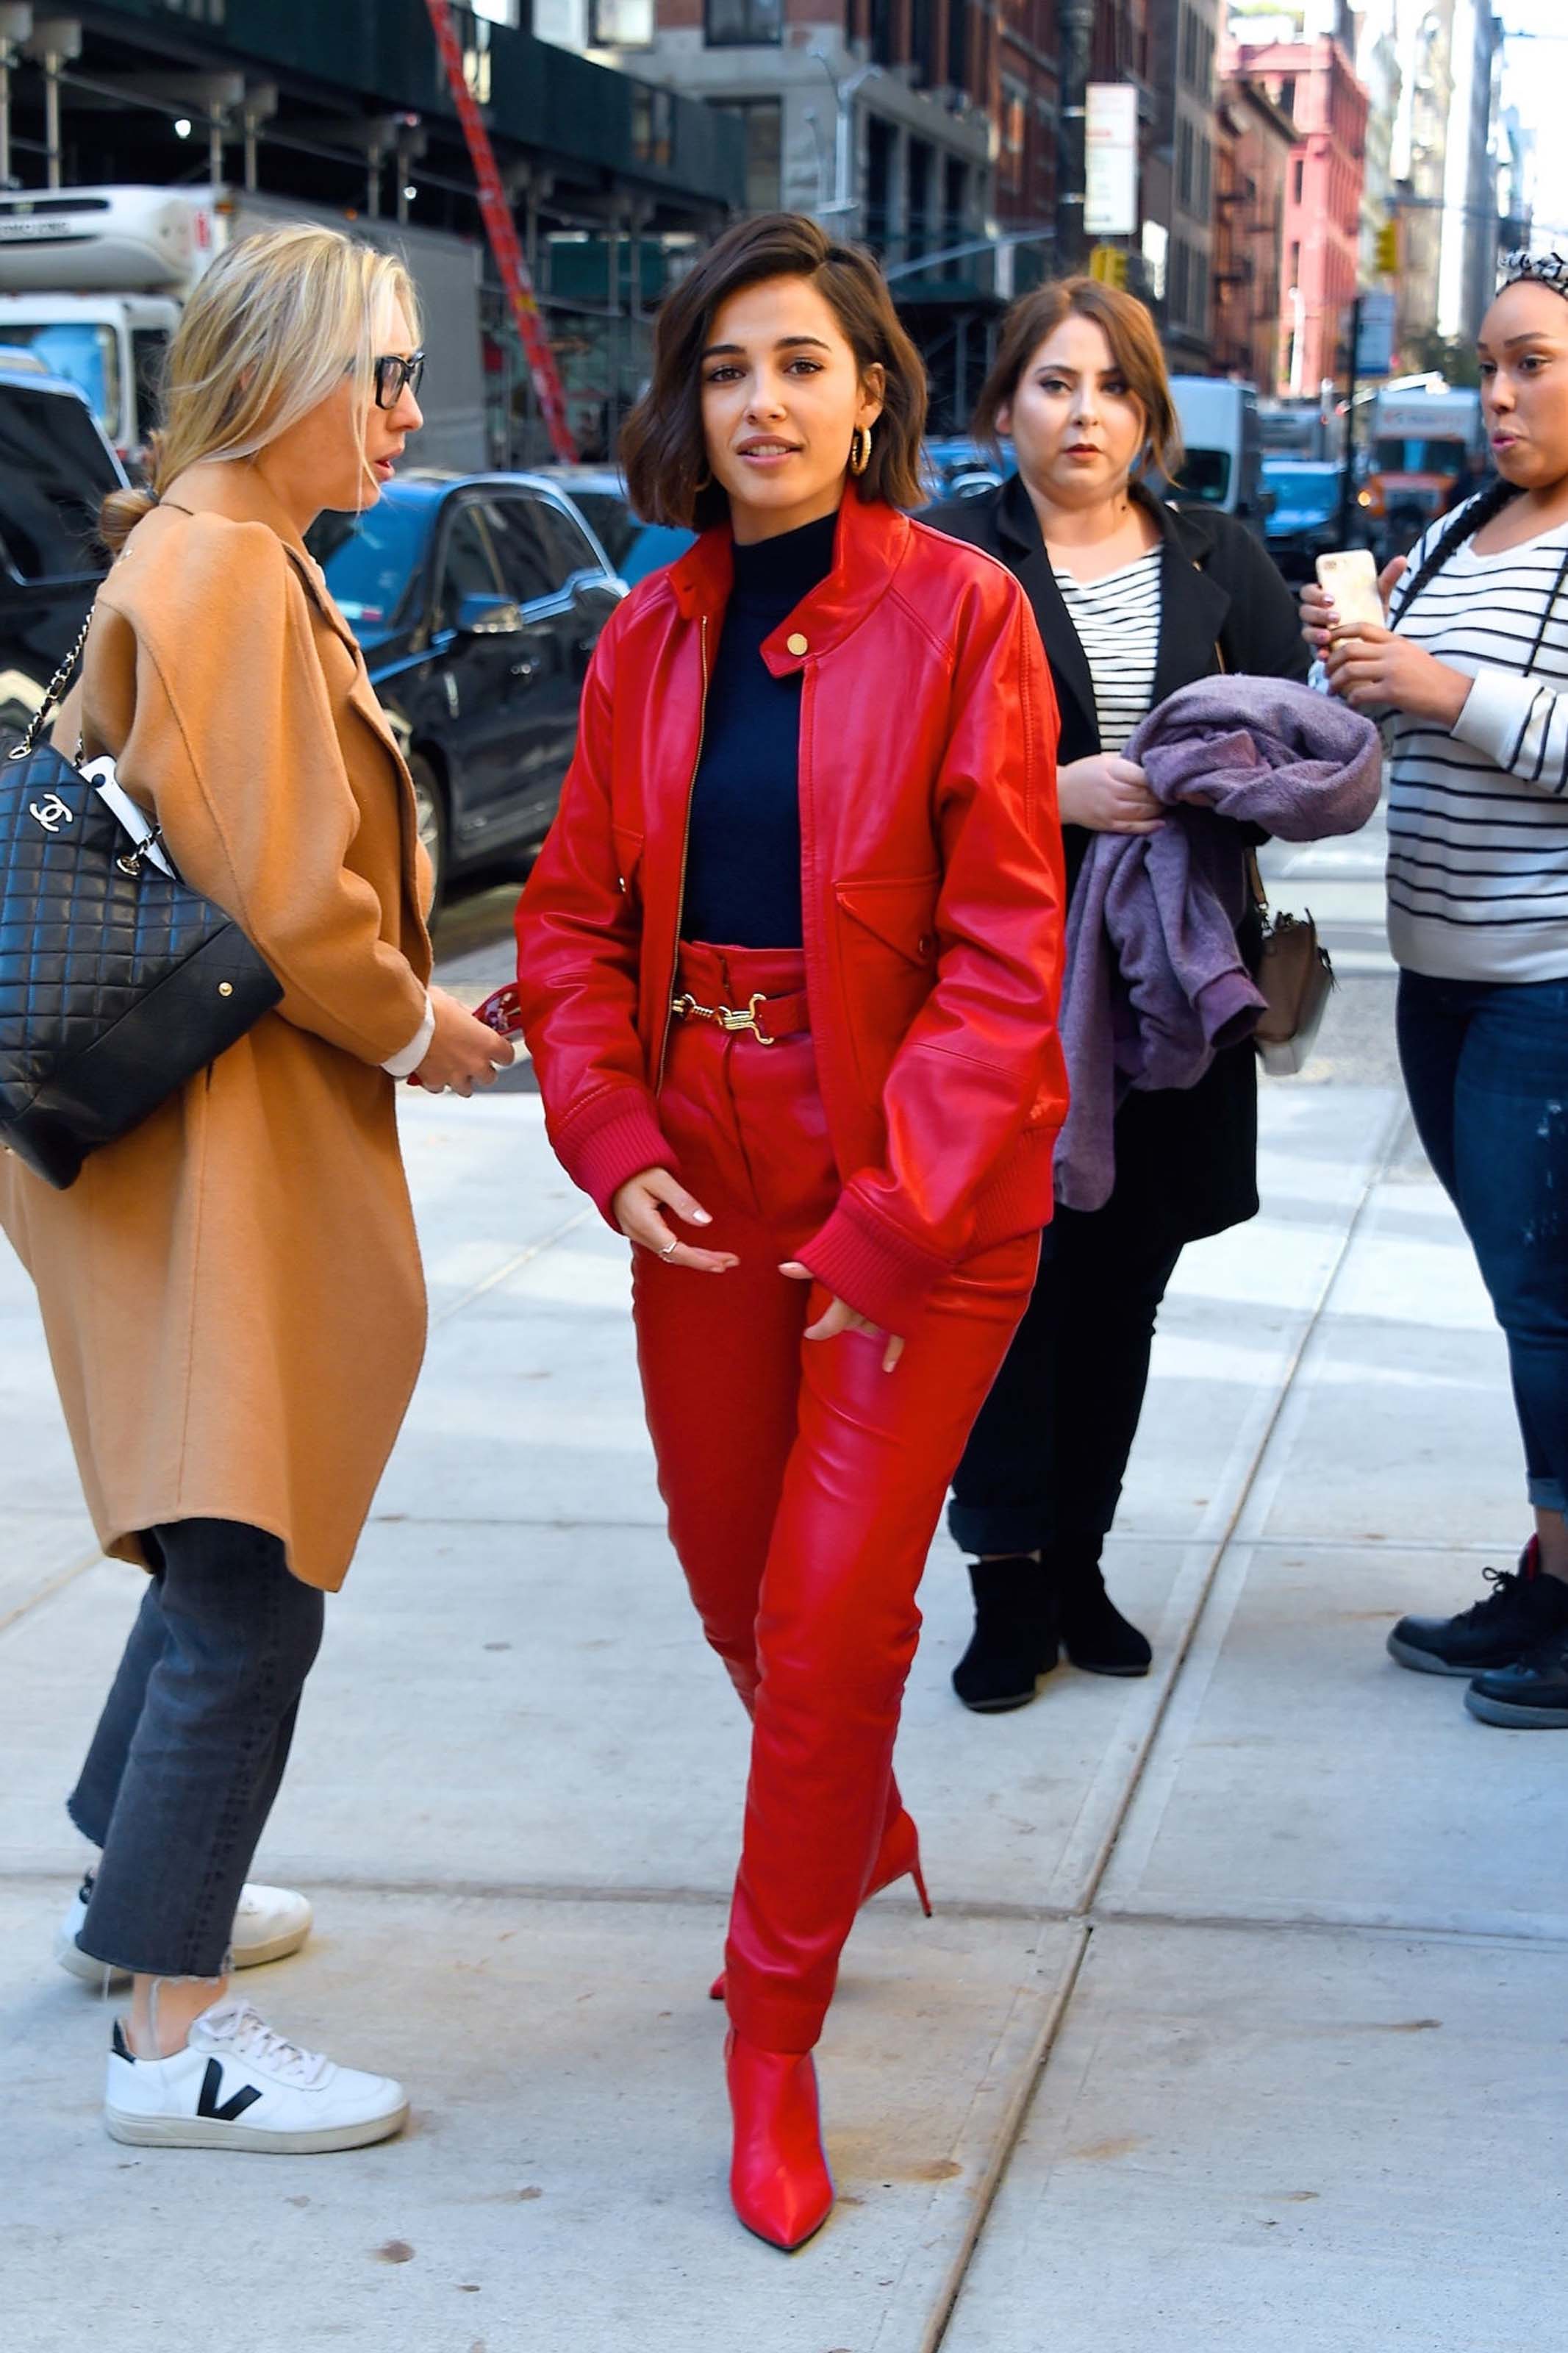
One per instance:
(1133,600)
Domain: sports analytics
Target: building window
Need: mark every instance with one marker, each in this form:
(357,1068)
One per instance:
(1184,145)
(1015,108)
(1287,100)
(1298,178)
(620,23)
(1205,179)
(653,124)
(762,118)
(958,45)
(1176,281)
(922,43)
(1295,263)
(741,24)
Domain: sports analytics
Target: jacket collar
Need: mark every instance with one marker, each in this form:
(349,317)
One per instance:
(233,487)
(869,546)
(1192,606)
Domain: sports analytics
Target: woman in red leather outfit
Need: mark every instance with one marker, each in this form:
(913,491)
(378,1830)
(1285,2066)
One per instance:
(788,967)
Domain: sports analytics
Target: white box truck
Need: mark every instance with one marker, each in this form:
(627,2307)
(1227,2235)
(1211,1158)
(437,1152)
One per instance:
(1222,441)
(92,281)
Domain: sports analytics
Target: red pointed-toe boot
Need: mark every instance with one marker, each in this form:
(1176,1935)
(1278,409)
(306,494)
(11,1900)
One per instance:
(899,1857)
(779,2179)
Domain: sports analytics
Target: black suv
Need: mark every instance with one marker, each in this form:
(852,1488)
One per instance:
(479,599)
(54,468)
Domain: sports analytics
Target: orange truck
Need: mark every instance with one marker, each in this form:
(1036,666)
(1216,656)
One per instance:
(1427,451)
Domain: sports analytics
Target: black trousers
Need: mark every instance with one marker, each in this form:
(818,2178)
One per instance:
(1045,1463)
(191,1745)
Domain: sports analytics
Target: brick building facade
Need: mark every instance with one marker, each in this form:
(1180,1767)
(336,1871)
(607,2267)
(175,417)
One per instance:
(1315,84)
(1252,148)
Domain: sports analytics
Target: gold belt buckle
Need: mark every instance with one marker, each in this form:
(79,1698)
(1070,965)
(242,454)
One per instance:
(734,1023)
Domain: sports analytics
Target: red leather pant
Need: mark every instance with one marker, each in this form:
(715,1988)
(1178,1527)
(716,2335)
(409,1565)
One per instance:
(803,1484)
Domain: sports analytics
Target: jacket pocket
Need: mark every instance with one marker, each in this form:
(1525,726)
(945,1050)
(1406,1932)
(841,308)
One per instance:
(628,858)
(898,910)
(888,945)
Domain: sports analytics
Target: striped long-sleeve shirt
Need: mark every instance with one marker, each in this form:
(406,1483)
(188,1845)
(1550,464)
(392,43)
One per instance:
(1477,819)
(1117,618)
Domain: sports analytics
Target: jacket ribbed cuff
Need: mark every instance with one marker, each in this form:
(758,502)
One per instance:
(869,1263)
(615,1138)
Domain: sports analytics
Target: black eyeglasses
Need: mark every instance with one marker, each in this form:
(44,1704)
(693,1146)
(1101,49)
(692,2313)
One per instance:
(395,376)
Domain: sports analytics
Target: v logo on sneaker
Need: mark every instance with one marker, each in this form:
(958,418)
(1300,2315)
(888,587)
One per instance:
(211,2091)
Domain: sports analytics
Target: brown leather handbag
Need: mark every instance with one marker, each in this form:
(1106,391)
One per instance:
(1295,978)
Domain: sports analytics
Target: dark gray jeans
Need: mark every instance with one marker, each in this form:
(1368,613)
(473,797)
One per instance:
(191,1747)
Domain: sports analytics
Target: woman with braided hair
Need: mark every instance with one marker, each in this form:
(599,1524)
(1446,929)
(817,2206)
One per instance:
(1473,671)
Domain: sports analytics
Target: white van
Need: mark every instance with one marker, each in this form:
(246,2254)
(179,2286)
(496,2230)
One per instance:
(1224,443)
(92,280)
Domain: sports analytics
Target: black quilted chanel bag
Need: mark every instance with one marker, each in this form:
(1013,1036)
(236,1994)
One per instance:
(117,983)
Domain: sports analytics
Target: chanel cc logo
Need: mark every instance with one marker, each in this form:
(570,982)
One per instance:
(50,814)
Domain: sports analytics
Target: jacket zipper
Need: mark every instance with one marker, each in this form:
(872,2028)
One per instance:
(685,849)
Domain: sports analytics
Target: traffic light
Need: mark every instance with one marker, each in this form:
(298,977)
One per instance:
(1387,249)
(1109,264)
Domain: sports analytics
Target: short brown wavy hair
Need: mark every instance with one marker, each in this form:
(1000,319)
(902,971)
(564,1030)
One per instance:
(664,454)
(1135,342)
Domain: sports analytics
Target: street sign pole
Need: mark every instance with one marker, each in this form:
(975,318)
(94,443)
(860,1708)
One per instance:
(1347,486)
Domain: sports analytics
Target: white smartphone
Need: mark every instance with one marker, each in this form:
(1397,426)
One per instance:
(1350,577)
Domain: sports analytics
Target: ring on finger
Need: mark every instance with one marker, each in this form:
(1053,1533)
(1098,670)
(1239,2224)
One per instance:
(671,1248)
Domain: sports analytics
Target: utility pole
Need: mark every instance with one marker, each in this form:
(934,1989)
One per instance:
(1075,35)
(1347,483)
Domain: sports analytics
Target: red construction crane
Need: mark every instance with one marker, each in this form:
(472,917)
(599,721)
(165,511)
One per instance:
(501,229)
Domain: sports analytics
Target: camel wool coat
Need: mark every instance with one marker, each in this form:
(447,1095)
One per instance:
(232,1294)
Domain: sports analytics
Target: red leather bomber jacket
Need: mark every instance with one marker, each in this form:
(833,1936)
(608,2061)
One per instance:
(933,898)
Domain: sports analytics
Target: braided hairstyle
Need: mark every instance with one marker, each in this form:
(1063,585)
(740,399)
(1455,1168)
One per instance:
(1472,517)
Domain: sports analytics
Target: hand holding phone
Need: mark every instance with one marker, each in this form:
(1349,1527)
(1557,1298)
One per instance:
(1348,579)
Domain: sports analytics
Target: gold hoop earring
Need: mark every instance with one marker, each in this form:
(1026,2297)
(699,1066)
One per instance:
(860,448)
(705,484)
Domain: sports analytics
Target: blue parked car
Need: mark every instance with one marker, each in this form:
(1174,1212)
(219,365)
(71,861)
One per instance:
(479,599)
(1304,521)
(634,547)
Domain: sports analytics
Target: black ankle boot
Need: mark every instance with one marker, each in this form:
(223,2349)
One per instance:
(1095,1635)
(1015,1638)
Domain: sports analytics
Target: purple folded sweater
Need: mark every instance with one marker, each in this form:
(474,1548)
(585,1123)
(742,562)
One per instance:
(1155,983)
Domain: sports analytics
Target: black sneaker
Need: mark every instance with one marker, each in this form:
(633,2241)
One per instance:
(1522,1607)
(1533,1694)
(1015,1638)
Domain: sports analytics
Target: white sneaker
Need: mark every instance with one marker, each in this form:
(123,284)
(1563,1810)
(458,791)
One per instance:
(236,2084)
(271,1923)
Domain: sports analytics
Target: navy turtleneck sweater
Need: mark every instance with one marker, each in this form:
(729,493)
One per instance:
(742,858)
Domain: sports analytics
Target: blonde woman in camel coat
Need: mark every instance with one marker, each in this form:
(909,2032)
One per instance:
(232,1294)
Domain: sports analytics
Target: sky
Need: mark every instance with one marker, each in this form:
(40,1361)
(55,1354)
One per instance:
(1535,80)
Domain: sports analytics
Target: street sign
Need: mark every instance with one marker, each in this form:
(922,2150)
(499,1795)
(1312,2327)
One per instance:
(1111,159)
(1374,343)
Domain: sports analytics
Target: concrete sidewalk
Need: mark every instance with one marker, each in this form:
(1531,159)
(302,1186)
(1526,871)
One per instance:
(1240,2019)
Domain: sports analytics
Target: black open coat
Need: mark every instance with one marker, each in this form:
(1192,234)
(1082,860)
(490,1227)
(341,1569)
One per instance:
(1187,1161)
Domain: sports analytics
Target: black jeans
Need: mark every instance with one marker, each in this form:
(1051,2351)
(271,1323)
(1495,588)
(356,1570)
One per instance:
(191,1745)
(1044,1465)
(1486,1065)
